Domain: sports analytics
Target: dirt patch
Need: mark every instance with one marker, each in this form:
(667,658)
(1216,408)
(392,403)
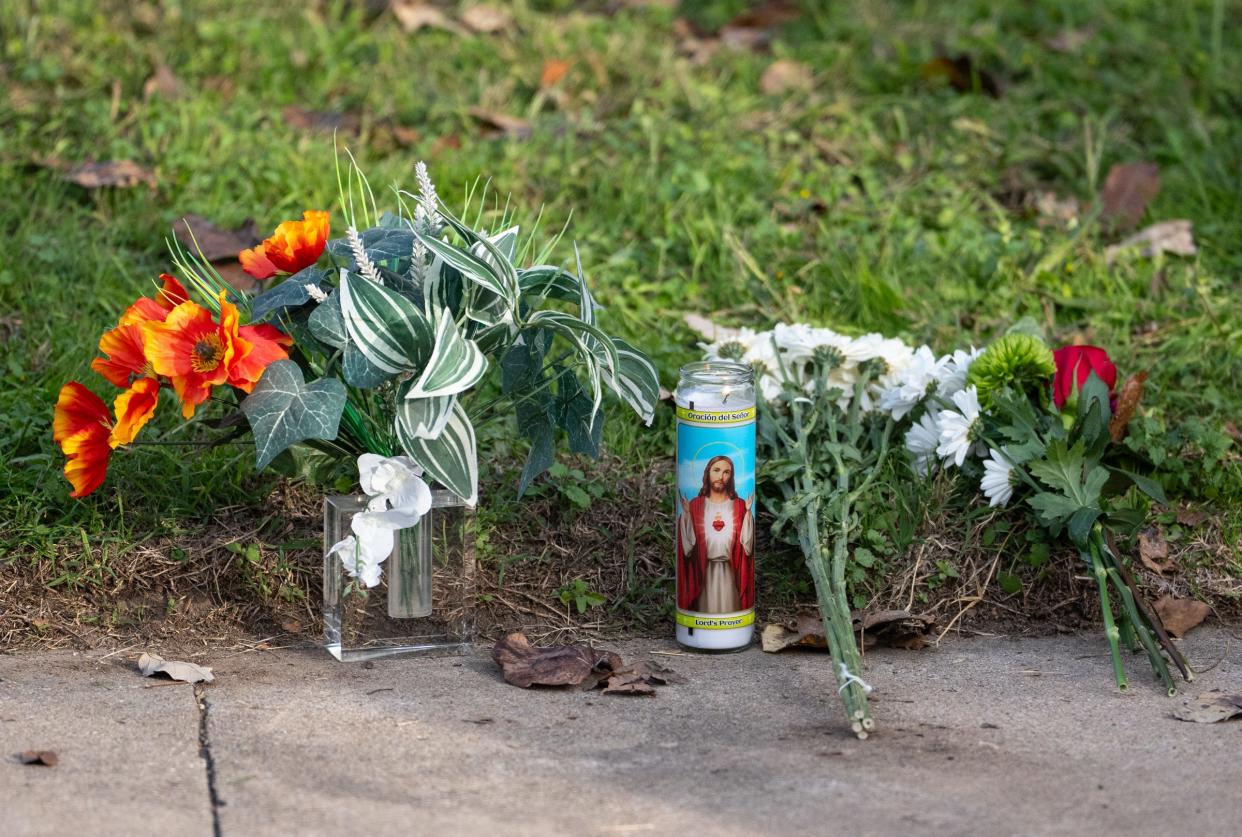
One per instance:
(250,575)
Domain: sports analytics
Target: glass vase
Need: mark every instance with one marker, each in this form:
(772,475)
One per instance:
(423,602)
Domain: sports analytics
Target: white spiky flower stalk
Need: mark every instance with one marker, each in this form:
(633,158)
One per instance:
(428,200)
(365,266)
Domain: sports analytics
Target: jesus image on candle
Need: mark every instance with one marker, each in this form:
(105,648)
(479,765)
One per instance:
(716,545)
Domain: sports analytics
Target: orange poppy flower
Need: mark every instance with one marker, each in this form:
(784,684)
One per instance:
(123,345)
(295,245)
(87,433)
(192,350)
(196,353)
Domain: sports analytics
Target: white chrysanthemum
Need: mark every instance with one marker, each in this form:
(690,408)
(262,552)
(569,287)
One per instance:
(922,439)
(952,370)
(761,356)
(959,427)
(912,385)
(734,346)
(997,483)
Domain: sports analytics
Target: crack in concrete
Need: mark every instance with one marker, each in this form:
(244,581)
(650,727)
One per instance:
(209,761)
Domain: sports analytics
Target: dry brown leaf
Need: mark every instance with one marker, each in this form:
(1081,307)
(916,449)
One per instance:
(785,75)
(122,174)
(629,684)
(216,244)
(1052,207)
(414,15)
(1189,517)
(1180,616)
(807,631)
(486,19)
(162,83)
(554,69)
(525,665)
(1210,708)
(708,330)
(1176,237)
(755,29)
(1070,40)
(494,123)
(1128,189)
(327,122)
(45,758)
(1154,551)
(152,664)
(1128,399)
(655,673)
(961,74)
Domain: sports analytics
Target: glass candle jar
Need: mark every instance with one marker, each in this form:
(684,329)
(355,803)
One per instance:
(715,515)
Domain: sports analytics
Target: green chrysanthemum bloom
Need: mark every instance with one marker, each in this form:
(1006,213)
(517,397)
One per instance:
(1019,361)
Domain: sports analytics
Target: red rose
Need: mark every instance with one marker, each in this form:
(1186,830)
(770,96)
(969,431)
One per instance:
(1074,365)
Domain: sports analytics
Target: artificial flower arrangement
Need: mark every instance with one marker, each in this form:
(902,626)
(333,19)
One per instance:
(395,326)
(1016,415)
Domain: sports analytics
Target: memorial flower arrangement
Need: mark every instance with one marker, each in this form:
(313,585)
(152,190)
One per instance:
(1041,428)
(383,349)
(1023,421)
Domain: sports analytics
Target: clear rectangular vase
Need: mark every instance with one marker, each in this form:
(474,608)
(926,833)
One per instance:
(424,600)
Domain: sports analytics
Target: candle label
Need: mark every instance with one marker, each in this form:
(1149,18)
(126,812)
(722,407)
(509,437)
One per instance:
(715,518)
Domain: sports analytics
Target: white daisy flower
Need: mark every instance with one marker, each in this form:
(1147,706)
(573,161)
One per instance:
(922,439)
(735,344)
(959,427)
(998,478)
(952,370)
(912,385)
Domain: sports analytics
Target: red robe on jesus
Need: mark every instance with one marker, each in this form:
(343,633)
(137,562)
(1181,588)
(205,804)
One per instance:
(692,566)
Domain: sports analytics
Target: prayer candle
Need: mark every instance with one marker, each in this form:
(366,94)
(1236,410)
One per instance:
(715,514)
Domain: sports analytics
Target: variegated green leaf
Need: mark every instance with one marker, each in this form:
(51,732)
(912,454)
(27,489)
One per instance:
(389,329)
(455,365)
(451,457)
(284,409)
(425,418)
(634,379)
(470,265)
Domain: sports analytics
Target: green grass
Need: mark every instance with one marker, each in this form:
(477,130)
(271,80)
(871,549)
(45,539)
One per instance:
(877,201)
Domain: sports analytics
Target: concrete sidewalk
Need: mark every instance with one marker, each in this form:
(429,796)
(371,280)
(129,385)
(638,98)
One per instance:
(983,736)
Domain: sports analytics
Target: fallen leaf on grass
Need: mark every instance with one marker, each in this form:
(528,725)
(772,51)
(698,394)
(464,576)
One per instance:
(122,174)
(162,83)
(496,124)
(525,665)
(1189,517)
(1128,189)
(152,664)
(708,330)
(486,19)
(1052,207)
(320,121)
(807,631)
(1154,551)
(46,758)
(554,69)
(1180,616)
(961,74)
(755,29)
(1069,40)
(1176,237)
(785,75)
(1210,708)
(1127,404)
(217,244)
(414,15)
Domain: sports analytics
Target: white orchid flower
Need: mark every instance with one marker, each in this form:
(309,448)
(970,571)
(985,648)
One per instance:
(399,499)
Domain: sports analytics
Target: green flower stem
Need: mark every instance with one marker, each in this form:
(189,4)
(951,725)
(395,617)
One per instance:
(1110,627)
(1144,635)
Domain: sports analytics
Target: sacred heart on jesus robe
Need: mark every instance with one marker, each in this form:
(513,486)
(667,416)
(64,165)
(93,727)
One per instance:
(718,524)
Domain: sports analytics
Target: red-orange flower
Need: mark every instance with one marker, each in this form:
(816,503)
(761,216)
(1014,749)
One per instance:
(196,353)
(295,245)
(123,345)
(87,433)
